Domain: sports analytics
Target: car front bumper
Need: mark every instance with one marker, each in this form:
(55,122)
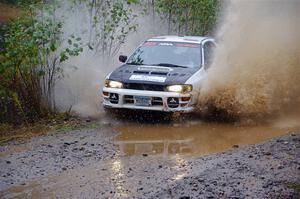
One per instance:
(160,100)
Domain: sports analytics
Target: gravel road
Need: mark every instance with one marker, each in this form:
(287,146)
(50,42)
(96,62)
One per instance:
(86,164)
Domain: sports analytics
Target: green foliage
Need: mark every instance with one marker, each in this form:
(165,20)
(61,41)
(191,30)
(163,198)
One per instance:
(13,2)
(110,23)
(189,17)
(31,58)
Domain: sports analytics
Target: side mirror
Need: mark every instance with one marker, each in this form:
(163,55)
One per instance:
(122,58)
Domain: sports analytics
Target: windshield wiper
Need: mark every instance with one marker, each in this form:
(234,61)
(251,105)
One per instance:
(168,65)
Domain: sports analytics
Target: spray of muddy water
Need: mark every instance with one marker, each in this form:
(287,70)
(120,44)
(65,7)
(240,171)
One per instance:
(80,89)
(256,71)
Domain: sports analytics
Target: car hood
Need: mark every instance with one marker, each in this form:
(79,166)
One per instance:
(152,74)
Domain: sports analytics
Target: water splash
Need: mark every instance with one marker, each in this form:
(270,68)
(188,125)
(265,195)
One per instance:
(80,89)
(256,69)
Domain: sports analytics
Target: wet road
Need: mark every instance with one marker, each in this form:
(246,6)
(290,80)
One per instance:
(194,137)
(141,160)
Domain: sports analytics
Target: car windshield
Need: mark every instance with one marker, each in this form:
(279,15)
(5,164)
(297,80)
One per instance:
(170,54)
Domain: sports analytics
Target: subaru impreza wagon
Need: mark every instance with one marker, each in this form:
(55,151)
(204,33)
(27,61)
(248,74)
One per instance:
(163,74)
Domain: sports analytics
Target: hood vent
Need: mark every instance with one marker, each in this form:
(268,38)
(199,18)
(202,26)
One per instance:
(151,73)
(155,69)
(141,72)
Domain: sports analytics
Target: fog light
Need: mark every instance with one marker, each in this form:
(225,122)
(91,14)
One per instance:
(105,93)
(173,102)
(114,98)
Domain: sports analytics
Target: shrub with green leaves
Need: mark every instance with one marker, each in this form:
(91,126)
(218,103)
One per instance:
(31,61)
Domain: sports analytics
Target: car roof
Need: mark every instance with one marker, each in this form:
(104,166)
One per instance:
(174,38)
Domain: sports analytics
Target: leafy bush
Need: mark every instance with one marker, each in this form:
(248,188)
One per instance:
(31,61)
(10,1)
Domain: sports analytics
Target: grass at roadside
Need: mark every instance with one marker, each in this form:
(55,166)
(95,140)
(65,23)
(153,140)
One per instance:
(58,124)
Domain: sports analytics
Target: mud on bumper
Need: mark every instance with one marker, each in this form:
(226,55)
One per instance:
(159,100)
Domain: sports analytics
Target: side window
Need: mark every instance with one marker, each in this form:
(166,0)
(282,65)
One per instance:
(209,48)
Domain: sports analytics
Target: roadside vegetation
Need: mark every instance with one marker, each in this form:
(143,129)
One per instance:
(58,123)
(189,17)
(31,59)
(34,48)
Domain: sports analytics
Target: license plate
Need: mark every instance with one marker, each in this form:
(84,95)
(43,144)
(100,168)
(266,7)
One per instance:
(142,101)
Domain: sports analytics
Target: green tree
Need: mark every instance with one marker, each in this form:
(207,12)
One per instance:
(189,17)
(110,22)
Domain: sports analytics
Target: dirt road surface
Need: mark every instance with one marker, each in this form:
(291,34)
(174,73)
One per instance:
(96,163)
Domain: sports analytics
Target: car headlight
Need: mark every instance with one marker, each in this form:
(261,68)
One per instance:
(113,84)
(180,88)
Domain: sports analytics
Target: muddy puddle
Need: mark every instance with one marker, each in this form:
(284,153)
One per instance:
(194,138)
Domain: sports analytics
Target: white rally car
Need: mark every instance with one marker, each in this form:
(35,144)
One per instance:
(163,74)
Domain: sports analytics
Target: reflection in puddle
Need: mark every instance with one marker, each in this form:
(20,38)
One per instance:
(191,139)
